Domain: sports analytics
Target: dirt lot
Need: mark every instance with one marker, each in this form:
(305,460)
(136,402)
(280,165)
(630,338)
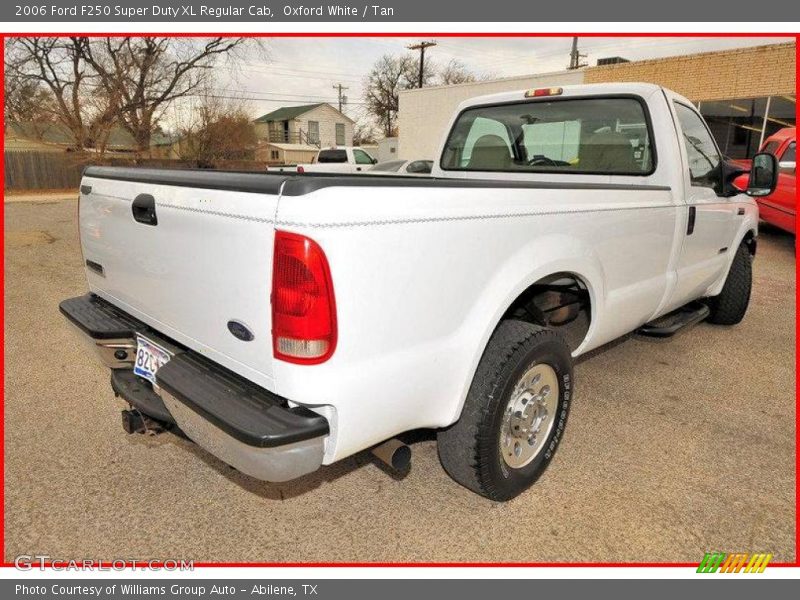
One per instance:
(673,448)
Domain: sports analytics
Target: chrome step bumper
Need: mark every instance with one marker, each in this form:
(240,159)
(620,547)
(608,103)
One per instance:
(242,424)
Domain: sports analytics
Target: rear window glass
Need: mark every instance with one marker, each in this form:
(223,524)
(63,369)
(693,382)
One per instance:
(332,156)
(593,135)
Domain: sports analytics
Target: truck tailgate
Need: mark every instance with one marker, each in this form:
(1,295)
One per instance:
(202,261)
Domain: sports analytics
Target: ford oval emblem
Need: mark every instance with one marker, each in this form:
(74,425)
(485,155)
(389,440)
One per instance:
(240,331)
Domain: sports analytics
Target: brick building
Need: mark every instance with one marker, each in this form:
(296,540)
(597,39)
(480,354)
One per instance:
(745,95)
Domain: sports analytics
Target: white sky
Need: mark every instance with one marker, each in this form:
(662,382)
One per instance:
(303,70)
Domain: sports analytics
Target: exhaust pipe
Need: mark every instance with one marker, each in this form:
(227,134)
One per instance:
(394,454)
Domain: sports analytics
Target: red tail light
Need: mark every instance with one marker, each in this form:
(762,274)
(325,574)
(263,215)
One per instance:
(300,169)
(303,304)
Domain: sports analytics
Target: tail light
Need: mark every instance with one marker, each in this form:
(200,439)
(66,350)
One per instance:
(303,304)
(300,169)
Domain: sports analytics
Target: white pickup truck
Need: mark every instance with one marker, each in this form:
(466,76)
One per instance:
(339,159)
(286,321)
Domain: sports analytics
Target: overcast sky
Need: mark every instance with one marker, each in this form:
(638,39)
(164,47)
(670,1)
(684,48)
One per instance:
(303,70)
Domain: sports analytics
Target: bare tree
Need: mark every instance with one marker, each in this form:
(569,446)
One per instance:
(27,101)
(145,75)
(363,133)
(55,65)
(390,75)
(220,130)
(455,72)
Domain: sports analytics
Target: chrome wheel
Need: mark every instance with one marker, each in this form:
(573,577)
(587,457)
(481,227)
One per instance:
(529,416)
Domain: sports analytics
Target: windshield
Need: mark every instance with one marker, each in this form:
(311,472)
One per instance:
(592,135)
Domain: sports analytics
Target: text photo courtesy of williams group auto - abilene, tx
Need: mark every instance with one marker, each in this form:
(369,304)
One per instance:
(400,299)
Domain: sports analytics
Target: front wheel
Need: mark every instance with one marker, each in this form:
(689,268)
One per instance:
(730,306)
(514,415)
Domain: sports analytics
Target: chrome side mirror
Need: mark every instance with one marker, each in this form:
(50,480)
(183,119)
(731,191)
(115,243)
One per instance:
(763,175)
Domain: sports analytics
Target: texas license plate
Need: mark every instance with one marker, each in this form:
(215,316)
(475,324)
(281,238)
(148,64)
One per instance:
(150,357)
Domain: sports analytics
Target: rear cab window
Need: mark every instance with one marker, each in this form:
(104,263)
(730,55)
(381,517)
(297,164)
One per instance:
(332,156)
(601,135)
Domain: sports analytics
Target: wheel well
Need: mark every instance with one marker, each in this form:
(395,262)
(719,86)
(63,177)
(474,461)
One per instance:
(751,242)
(559,301)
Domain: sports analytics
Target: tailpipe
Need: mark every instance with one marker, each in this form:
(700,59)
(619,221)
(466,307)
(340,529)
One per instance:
(394,454)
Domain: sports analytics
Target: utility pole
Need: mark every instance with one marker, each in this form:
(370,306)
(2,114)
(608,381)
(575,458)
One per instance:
(421,47)
(342,97)
(575,56)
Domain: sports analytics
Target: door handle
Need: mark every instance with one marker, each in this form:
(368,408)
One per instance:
(144,209)
(692,218)
(358,168)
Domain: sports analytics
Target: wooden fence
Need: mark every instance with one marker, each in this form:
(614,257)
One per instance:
(37,170)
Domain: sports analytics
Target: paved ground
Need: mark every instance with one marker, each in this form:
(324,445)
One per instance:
(672,449)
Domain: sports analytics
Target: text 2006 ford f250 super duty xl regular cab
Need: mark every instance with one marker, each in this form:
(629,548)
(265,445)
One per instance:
(284,321)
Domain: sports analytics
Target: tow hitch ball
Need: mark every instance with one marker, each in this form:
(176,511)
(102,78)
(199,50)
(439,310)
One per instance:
(135,422)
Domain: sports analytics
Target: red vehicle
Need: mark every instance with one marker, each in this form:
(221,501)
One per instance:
(780,207)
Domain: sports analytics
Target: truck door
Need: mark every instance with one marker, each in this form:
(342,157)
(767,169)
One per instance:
(709,217)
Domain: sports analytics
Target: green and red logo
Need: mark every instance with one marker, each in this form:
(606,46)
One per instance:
(720,562)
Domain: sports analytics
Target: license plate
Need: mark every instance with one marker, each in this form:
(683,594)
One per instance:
(149,358)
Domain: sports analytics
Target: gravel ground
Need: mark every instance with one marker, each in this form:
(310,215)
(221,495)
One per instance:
(673,448)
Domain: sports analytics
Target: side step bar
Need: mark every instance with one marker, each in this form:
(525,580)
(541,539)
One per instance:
(672,323)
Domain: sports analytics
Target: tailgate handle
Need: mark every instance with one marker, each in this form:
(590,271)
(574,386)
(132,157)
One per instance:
(144,209)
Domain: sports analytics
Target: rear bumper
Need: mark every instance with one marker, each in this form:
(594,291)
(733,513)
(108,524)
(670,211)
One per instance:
(248,427)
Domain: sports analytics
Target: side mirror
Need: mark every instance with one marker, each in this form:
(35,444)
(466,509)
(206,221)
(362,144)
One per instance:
(374,161)
(763,175)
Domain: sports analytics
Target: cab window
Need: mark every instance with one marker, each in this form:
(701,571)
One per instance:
(361,157)
(703,156)
(790,153)
(609,136)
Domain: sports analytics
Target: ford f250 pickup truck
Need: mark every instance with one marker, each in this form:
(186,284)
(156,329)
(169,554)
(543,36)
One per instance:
(286,321)
(339,159)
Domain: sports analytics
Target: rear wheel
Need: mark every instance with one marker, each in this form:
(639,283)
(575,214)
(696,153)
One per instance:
(514,415)
(730,306)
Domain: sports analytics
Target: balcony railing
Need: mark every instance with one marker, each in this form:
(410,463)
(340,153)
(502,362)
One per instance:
(291,137)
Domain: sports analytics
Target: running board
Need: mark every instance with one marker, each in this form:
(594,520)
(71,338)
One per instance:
(673,322)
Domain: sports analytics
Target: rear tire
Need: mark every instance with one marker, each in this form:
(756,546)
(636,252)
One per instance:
(730,306)
(515,412)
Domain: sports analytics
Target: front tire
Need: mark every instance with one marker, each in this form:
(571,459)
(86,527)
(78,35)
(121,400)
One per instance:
(730,306)
(514,415)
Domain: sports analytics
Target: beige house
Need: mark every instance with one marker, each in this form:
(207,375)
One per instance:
(284,154)
(315,125)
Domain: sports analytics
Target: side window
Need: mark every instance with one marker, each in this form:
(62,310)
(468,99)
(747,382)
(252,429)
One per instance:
(362,158)
(340,134)
(704,159)
(790,153)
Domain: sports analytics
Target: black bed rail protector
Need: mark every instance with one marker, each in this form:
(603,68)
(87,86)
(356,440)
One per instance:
(301,184)
(234,181)
(237,406)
